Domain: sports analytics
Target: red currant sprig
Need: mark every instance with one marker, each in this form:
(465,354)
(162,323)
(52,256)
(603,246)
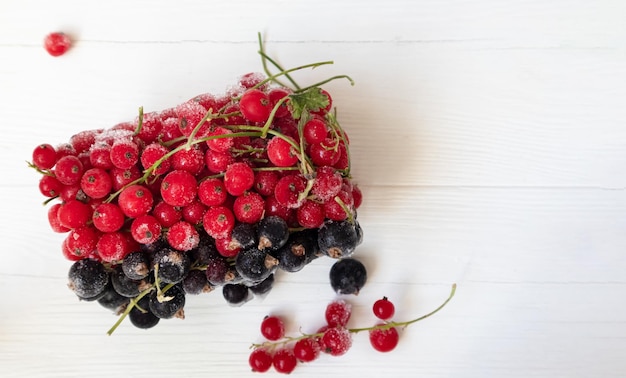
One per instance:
(335,338)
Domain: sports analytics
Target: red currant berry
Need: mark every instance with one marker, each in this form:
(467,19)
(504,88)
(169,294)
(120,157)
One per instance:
(281,153)
(334,208)
(74,214)
(57,43)
(83,140)
(238,178)
(218,162)
(265,182)
(145,229)
(226,247)
(124,153)
(65,149)
(218,222)
(170,130)
(338,313)
(183,236)
(179,188)
(123,177)
(275,95)
(135,200)
(194,212)
(288,190)
(190,114)
(108,217)
(384,340)
(306,350)
(284,361)
(212,192)
(255,105)
(336,341)
(325,153)
(273,207)
(69,170)
(357,196)
(153,153)
(273,328)
(96,183)
(151,126)
(53,219)
(287,126)
(67,253)
(344,160)
(251,79)
(383,309)
(260,360)
(49,186)
(327,184)
(81,242)
(311,214)
(315,131)
(221,143)
(44,156)
(113,247)
(166,214)
(190,160)
(249,207)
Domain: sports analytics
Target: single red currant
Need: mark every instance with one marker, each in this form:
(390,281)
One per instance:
(249,207)
(49,186)
(284,361)
(265,182)
(306,350)
(190,114)
(336,341)
(179,188)
(122,177)
(135,200)
(74,214)
(218,162)
(315,131)
(108,217)
(338,313)
(112,247)
(383,309)
(69,170)
(145,229)
(44,156)
(275,95)
(153,153)
(81,242)
(57,43)
(183,236)
(238,178)
(151,126)
(212,192)
(226,247)
(311,214)
(281,152)
(96,183)
(255,105)
(124,153)
(325,153)
(83,140)
(327,184)
(288,190)
(384,340)
(218,222)
(166,214)
(221,143)
(273,328)
(260,360)
(194,212)
(190,160)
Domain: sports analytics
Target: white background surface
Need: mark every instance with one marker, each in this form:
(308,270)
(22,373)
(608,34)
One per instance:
(488,137)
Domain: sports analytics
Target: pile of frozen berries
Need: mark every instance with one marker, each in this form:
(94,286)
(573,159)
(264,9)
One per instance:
(334,338)
(221,191)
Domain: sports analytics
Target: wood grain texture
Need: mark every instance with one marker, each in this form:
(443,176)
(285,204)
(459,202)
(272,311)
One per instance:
(488,138)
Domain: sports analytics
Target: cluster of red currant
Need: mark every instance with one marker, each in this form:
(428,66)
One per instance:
(217,190)
(335,338)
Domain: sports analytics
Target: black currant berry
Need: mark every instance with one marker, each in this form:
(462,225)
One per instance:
(243,236)
(255,265)
(113,301)
(299,251)
(348,276)
(195,282)
(217,270)
(235,294)
(264,286)
(126,287)
(205,251)
(272,232)
(173,265)
(136,265)
(141,316)
(168,303)
(337,239)
(88,278)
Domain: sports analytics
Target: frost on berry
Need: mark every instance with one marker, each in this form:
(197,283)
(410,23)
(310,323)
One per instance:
(336,341)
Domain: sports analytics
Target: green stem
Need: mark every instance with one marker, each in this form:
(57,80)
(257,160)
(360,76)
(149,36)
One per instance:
(139,122)
(129,307)
(319,84)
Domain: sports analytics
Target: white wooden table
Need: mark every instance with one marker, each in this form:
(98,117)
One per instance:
(488,137)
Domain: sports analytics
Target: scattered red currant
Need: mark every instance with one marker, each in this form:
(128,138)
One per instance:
(57,43)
